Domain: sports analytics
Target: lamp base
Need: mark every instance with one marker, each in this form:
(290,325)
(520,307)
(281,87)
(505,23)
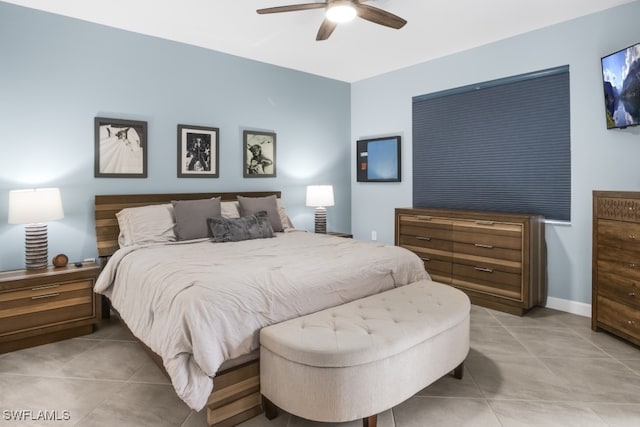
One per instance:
(321,220)
(35,245)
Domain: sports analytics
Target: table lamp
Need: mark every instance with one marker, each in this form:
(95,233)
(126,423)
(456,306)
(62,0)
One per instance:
(320,196)
(34,207)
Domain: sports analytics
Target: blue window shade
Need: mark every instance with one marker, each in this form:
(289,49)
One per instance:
(502,145)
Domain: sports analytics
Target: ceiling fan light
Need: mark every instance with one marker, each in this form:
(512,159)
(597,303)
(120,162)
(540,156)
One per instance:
(341,12)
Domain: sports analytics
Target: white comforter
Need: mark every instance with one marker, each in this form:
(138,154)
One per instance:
(199,304)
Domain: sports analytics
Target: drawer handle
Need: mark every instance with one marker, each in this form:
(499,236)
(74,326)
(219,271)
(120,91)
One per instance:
(486,270)
(428,239)
(39,288)
(480,222)
(631,323)
(632,265)
(632,237)
(480,245)
(425,259)
(632,294)
(45,296)
(423,217)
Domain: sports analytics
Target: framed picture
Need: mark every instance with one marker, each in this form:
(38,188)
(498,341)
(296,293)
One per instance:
(259,154)
(120,148)
(198,152)
(378,159)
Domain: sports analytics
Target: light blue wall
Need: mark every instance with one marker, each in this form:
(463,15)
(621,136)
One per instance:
(601,159)
(57,74)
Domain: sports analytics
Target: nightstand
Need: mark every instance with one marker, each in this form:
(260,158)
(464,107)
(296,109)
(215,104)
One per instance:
(339,234)
(42,306)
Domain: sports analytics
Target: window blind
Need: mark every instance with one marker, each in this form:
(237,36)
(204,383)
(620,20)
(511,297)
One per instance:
(502,145)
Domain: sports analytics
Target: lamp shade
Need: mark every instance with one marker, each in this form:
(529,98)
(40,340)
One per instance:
(320,195)
(35,205)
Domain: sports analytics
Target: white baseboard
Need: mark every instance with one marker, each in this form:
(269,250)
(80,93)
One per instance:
(574,307)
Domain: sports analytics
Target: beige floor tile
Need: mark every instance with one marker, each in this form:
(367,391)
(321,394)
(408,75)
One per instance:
(77,397)
(517,413)
(444,412)
(516,377)
(555,342)
(140,405)
(385,419)
(114,360)
(495,341)
(596,380)
(43,360)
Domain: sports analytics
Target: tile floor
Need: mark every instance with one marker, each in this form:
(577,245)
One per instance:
(544,369)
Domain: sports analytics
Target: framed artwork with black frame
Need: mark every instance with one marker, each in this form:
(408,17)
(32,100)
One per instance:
(378,159)
(198,149)
(120,148)
(259,154)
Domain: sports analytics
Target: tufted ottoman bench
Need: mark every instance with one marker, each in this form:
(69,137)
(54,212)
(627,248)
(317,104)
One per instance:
(359,359)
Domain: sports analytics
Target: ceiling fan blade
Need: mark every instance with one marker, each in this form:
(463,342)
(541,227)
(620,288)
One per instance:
(326,28)
(292,8)
(379,16)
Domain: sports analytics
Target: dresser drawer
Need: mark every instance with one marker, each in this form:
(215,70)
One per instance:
(622,317)
(618,234)
(488,280)
(437,263)
(619,288)
(618,261)
(618,208)
(43,305)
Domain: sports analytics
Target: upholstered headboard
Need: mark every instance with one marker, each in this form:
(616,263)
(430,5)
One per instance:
(106,207)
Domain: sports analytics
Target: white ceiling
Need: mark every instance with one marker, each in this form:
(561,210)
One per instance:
(355,51)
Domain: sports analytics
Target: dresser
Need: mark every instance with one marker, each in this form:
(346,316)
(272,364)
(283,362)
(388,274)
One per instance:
(42,306)
(616,264)
(498,259)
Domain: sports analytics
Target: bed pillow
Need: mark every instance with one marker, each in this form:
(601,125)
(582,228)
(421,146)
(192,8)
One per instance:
(255,226)
(269,204)
(284,217)
(230,209)
(191,217)
(146,224)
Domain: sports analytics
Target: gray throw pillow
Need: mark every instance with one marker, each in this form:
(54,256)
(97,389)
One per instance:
(191,217)
(249,227)
(269,204)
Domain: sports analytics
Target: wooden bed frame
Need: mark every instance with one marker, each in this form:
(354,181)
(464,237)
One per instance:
(236,391)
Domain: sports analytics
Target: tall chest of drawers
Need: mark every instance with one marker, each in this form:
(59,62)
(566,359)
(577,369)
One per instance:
(616,264)
(497,259)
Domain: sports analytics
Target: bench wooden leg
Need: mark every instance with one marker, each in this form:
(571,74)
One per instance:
(371,421)
(270,410)
(459,371)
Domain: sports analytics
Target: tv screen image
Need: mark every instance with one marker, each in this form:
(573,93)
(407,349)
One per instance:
(378,160)
(621,76)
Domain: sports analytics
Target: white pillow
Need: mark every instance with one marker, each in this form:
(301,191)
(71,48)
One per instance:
(284,218)
(146,224)
(230,209)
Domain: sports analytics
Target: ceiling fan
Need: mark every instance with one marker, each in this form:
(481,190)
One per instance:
(338,11)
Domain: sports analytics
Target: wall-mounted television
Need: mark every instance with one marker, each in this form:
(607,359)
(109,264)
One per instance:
(378,159)
(621,76)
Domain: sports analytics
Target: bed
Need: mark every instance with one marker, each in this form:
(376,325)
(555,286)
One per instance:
(198,306)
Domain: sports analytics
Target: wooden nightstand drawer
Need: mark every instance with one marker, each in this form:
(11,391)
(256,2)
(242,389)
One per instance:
(44,305)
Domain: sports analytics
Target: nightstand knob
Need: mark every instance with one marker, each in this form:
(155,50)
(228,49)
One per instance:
(632,294)
(631,265)
(632,237)
(631,323)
